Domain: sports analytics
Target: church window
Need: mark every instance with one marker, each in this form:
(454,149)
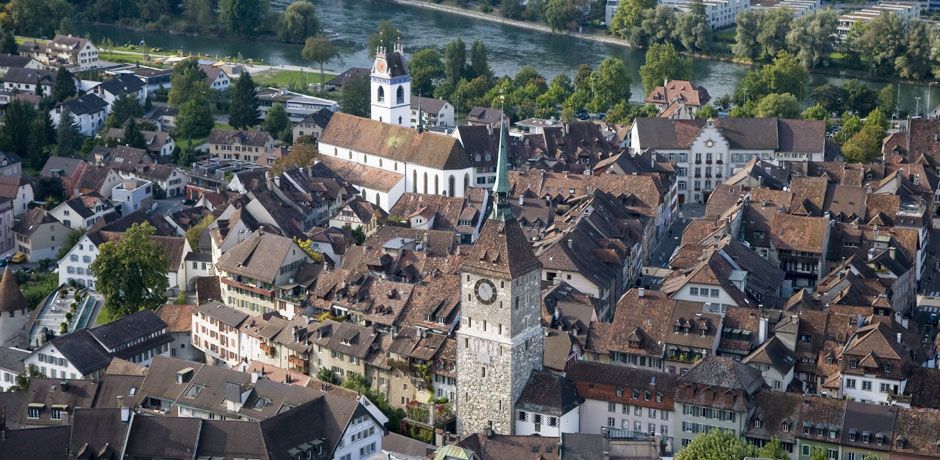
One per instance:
(425,182)
(414,181)
(483,371)
(350,154)
(437,185)
(365,158)
(450,186)
(380,162)
(376,198)
(400,96)
(466,182)
(381,95)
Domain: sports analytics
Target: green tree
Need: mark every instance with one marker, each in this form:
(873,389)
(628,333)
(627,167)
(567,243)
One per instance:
(68,137)
(774,450)
(831,97)
(863,147)
(851,124)
(818,453)
(455,61)
(36,18)
(610,84)
(301,155)
(42,134)
(124,108)
(558,91)
(786,75)
(887,99)
(815,112)
(320,49)
(194,119)
(132,135)
(773,27)
(354,97)
(746,45)
(706,111)
(298,22)
(479,63)
(695,33)
(658,25)
(64,86)
(876,121)
(386,36)
(195,232)
(783,105)
(276,121)
(8,44)
(187,83)
(629,15)
(915,62)
(559,14)
(425,67)
(242,17)
(131,272)
(810,38)
(715,445)
(511,9)
(71,239)
(882,41)
(663,62)
(199,14)
(243,103)
(14,133)
(859,98)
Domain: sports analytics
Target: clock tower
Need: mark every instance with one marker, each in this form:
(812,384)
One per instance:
(391,87)
(499,341)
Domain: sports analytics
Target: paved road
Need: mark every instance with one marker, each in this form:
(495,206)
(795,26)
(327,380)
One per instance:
(168,206)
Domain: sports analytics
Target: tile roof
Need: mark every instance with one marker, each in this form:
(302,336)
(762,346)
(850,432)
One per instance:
(223,313)
(501,447)
(29,76)
(395,142)
(86,104)
(178,318)
(124,330)
(501,250)
(924,387)
(49,443)
(601,382)
(65,164)
(260,256)
(681,90)
(121,84)
(11,297)
(163,437)
(232,136)
(799,233)
(801,135)
(916,431)
(549,393)
(427,104)
(362,175)
(722,372)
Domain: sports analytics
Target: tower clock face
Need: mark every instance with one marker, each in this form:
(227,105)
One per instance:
(485,290)
(380,67)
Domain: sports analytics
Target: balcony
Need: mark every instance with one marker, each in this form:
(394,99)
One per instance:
(267,349)
(297,363)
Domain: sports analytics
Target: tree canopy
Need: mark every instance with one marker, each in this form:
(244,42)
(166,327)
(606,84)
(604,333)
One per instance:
(131,272)
(663,62)
(298,22)
(243,103)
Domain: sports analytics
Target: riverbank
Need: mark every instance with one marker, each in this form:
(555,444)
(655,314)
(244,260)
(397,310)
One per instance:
(606,39)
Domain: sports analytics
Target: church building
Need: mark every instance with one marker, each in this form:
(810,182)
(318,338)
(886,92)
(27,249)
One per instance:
(383,157)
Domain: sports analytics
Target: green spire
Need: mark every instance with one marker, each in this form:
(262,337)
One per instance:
(501,186)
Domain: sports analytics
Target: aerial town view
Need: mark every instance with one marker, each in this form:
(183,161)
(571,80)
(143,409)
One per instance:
(469,229)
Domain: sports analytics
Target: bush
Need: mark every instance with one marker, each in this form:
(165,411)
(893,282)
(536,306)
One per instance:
(63,328)
(181,298)
(69,316)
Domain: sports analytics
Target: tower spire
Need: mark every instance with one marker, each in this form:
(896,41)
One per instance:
(501,187)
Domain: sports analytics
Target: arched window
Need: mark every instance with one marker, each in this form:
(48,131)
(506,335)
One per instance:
(381,95)
(400,95)
(377,198)
(414,181)
(466,184)
(425,182)
(437,187)
(450,186)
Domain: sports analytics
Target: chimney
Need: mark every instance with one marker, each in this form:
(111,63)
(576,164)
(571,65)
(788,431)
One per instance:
(521,199)
(570,243)
(762,330)
(641,292)
(899,338)
(64,384)
(892,253)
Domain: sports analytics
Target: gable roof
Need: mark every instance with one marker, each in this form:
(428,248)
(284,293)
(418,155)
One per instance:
(86,104)
(128,328)
(121,84)
(501,250)
(82,350)
(549,393)
(260,256)
(395,142)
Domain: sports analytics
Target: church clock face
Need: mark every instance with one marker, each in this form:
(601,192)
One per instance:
(380,67)
(485,291)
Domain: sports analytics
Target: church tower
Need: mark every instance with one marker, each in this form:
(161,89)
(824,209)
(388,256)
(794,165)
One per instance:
(499,342)
(391,87)
(14,312)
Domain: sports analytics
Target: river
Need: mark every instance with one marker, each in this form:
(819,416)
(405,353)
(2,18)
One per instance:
(510,48)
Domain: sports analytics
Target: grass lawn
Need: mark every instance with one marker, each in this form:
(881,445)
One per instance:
(104,316)
(289,79)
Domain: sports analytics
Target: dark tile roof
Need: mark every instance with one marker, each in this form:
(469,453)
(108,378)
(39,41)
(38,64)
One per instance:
(223,313)
(163,437)
(549,393)
(129,328)
(10,61)
(260,256)
(801,135)
(601,382)
(924,387)
(502,249)
(396,64)
(779,415)
(12,359)
(774,354)
(323,418)
(231,136)
(65,164)
(86,104)
(501,447)
(82,350)
(719,371)
(341,79)
(915,432)
(29,76)
(122,84)
(97,433)
(875,419)
(231,439)
(395,142)
(49,443)
(427,104)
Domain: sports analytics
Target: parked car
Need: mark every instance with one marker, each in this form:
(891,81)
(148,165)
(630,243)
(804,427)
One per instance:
(18,258)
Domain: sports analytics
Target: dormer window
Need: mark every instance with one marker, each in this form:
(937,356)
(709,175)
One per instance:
(853,363)
(866,437)
(636,394)
(619,392)
(887,368)
(785,427)
(853,435)
(758,422)
(646,396)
